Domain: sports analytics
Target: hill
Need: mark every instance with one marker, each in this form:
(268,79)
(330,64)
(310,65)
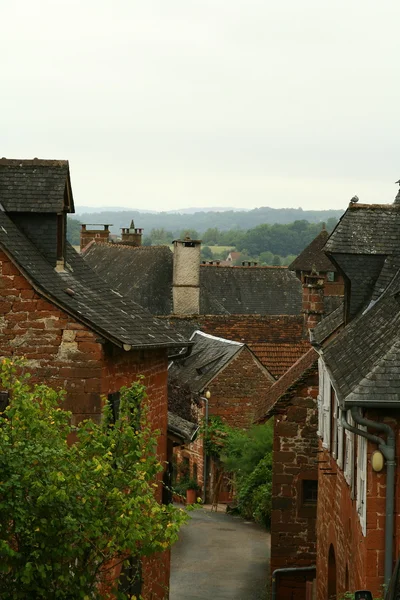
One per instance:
(203,220)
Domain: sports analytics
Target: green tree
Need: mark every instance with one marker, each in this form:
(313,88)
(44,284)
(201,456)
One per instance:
(74,231)
(71,512)
(206,253)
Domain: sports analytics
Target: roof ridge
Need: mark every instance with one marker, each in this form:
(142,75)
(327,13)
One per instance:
(40,162)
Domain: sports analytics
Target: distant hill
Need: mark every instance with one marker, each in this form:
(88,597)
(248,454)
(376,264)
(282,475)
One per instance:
(203,220)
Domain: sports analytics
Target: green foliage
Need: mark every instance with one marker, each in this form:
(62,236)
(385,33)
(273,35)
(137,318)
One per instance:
(70,512)
(74,232)
(247,455)
(206,253)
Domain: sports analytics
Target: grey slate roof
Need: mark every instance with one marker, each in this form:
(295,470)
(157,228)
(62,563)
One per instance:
(249,290)
(143,273)
(35,185)
(313,256)
(328,325)
(181,428)
(364,357)
(104,310)
(366,229)
(209,355)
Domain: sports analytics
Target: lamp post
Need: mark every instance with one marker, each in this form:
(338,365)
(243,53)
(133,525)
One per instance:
(205,398)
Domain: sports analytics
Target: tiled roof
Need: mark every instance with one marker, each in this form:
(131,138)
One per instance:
(283,386)
(313,256)
(249,290)
(277,341)
(278,358)
(35,185)
(144,273)
(208,356)
(81,293)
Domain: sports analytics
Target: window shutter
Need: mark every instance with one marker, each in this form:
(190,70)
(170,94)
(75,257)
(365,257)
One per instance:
(348,458)
(320,431)
(340,439)
(334,432)
(327,410)
(361,502)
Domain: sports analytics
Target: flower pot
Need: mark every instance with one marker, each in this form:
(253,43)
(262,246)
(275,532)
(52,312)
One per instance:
(191,496)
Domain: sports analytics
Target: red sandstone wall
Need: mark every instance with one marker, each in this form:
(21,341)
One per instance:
(64,354)
(359,559)
(293,523)
(237,390)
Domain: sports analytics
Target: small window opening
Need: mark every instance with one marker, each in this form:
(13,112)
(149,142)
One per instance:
(310,491)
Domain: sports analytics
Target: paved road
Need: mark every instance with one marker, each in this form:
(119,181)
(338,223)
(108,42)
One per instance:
(219,557)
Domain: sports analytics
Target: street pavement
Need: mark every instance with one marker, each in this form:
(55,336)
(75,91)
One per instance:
(220,557)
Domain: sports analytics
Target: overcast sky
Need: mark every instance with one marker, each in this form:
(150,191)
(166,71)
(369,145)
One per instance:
(165,104)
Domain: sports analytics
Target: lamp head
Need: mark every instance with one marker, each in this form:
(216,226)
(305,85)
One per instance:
(208,394)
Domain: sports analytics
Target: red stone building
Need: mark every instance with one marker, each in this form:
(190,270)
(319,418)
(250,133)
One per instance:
(358,533)
(292,401)
(235,378)
(75,331)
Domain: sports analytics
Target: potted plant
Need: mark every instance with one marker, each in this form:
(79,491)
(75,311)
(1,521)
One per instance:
(192,489)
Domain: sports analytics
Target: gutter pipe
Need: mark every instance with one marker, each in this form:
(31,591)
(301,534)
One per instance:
(388,450)
(287,570)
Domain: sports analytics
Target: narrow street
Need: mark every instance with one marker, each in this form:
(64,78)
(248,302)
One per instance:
(220,557)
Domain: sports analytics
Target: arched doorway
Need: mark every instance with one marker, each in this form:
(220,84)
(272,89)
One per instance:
(331,574)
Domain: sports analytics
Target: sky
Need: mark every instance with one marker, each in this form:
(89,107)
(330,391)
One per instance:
(167,104)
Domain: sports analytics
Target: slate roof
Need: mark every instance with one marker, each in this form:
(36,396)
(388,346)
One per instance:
(181,428)
(313,256)
(81,293)
(363,359)
(327,326)
(277,341)
(142,273)
(366,229)
(286,383)
(35,185)
(145,274)
(249,290)
(209,355)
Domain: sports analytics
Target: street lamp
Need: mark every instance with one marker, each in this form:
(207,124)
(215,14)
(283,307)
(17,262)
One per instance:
(205,398)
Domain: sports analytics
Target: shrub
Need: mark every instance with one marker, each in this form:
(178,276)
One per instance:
(69,513)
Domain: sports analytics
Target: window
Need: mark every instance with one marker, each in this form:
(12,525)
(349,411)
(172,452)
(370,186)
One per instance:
(114,401)
(330,276)
(310,491)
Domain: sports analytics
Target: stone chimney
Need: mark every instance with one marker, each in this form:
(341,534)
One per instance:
(313,299)
(131,236)
(186,277)
(100,235)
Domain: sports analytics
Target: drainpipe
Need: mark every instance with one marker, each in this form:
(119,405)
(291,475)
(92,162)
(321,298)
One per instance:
(287,570)
(388,450)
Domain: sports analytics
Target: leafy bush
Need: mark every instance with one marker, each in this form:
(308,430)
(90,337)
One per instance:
(70,513)
(254,492)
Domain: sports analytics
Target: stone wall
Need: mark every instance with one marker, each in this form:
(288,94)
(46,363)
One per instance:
(63,353)
(237,390)
(295,456)
(359,559)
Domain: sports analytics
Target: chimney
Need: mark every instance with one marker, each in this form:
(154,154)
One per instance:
(100,235)
(131,236)
(186,276)
(313,299)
